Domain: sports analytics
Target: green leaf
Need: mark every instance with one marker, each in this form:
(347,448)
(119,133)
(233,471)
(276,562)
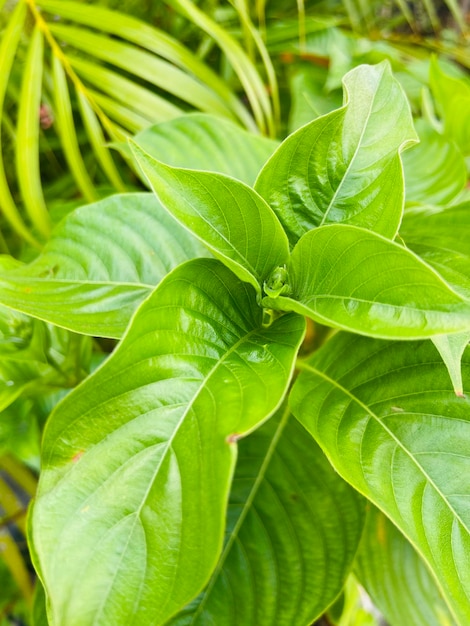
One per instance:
(243,66)
(453,98)
(157,41)
(8,47)
(229,217)
(451,349)
(66,128)
(388,419)
(350,278)
(138,98)
(396,578)
(137,461)
(441,239)
(345,166)
(142,64)
(292,531)
(435,171)
(27,137)
(99,265)
(202,142)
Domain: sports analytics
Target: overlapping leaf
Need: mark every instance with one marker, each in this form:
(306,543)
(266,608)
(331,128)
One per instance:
(137,461)
(396,578)
(99,265)
(345,166)
(441,239)
(389,421)
(292,531)
(453,99)
(232,220)
(354,279)
(435,171)
(203,142)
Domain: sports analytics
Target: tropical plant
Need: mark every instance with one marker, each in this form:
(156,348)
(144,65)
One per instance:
(269,351)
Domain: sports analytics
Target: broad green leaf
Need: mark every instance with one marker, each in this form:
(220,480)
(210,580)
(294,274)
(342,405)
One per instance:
(435,171)
(441,239)
(203,142)
(351,278)
(396,578)
(451,349)
(345,166)
(99,265)
(388,419)
(27,136)
(138,460)
(292,531)
(229,217)
(453,98)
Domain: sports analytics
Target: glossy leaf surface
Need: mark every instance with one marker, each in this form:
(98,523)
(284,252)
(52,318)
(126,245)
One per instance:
(396,578)
(441,239)
(293,528)
(350,278)
(99,265)
(229,217)
(345,166)
(137,461)
(388,419)
(204,142)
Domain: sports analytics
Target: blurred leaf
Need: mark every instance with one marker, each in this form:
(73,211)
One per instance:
(435,171)
(396,577)
(157,41)
(453,97)
(66,128)
(202,142)
(441,239)
(27,137)
(8,45)
(451,349)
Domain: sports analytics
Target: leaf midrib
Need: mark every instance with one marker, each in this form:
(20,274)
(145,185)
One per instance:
(245,510)
(309,368)
(350,165)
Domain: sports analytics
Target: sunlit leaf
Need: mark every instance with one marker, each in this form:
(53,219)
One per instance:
(99,265)
(351,278)
(202,142)
(345,166)
(229,217)
(137,461)
(388,419)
